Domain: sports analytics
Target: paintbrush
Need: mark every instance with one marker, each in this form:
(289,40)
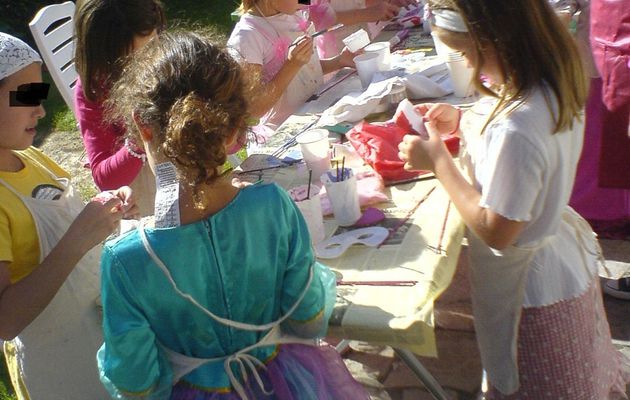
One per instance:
(319,33)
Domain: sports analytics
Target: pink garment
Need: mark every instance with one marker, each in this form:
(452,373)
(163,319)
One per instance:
(565,352)
(589,198)
(323,16)
(610,42)
(111,164)
(370,187)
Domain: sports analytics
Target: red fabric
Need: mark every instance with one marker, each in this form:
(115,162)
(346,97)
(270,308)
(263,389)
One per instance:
(610,42)
(565,352)
(111,164)
(378,146)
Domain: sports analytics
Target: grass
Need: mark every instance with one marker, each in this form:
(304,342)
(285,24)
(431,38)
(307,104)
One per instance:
(188,14)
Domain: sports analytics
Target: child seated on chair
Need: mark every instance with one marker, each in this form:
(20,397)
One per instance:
(272,39)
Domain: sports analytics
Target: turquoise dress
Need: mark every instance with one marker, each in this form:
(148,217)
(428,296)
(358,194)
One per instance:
(249,262)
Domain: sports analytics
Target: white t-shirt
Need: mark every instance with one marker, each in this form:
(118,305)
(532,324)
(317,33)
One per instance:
(264,41)
(526,173)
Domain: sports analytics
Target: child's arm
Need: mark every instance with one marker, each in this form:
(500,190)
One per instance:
(23,301)
(111,163)
(495,230)
(376,10)
(343,59)
(270,92)
(130,362)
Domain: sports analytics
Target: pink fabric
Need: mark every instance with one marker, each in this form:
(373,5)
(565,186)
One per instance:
(610,42)
(111,164)
(565,352)
(370,187)
(323,17)
(297,372)
(589,198)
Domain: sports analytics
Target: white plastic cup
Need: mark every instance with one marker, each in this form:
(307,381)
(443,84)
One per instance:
(367,65)
(440,48)
(357,40)
(384,54)
(314,146)
(343,196)
(311,208)
(461,75)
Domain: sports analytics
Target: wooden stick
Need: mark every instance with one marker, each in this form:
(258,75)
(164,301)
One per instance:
(376,283)
(393,229)
(439,246)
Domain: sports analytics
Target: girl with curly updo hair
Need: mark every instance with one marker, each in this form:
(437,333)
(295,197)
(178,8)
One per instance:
(193,309)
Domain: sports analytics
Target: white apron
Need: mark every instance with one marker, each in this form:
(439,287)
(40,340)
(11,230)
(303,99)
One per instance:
(56,352)
(499,278)
(183,365)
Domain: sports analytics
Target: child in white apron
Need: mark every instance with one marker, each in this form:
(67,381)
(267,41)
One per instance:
(220,297)
(289,74)
(49,249)
(539,318)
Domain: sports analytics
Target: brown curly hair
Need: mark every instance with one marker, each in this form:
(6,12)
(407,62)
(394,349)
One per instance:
(192,94)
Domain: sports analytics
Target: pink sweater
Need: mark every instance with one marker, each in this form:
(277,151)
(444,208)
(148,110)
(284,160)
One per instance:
(111,164)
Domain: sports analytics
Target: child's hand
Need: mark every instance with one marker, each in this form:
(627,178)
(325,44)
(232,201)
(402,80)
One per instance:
(129,207)
(346,57)
(302,51)
(99,218)
(127,201)
(382,11)
(445,117)
(422,154)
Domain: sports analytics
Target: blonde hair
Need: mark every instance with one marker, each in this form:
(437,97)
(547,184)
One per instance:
(192,94)
(532,46)
(247,5)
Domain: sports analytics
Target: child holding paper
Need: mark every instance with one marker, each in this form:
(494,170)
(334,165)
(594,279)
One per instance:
(193,303)
(539,318)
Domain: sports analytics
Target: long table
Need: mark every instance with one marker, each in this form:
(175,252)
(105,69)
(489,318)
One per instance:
(412,268)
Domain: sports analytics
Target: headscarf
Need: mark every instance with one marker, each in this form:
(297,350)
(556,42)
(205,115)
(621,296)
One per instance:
(449,20)
(15,55)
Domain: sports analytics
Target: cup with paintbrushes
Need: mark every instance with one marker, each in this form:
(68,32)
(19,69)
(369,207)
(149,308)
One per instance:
(341,188)
(307,199)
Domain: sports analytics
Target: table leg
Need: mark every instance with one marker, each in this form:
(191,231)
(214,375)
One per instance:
(422,373)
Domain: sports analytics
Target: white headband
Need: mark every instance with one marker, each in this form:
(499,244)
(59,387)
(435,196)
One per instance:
(449,20)
(15,55)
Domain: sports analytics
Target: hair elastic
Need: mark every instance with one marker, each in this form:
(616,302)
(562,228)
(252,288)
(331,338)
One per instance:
(449,20)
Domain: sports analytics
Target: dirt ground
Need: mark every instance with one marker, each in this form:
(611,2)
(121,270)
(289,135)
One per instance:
(66,148)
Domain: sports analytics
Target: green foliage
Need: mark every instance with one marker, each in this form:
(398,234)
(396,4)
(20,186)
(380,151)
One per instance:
(6,391)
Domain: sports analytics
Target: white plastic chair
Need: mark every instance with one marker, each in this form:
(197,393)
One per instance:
(53,31)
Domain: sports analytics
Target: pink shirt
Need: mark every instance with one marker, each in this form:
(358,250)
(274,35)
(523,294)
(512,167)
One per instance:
(111,164)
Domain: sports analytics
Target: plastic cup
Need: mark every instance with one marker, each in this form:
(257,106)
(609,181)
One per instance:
(343,195)
(367,65)
(310,206)
(461,75)
(384,54)
(440,48)
(357,40)
(314,146)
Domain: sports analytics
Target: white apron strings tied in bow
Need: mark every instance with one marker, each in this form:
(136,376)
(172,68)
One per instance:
(183,365)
